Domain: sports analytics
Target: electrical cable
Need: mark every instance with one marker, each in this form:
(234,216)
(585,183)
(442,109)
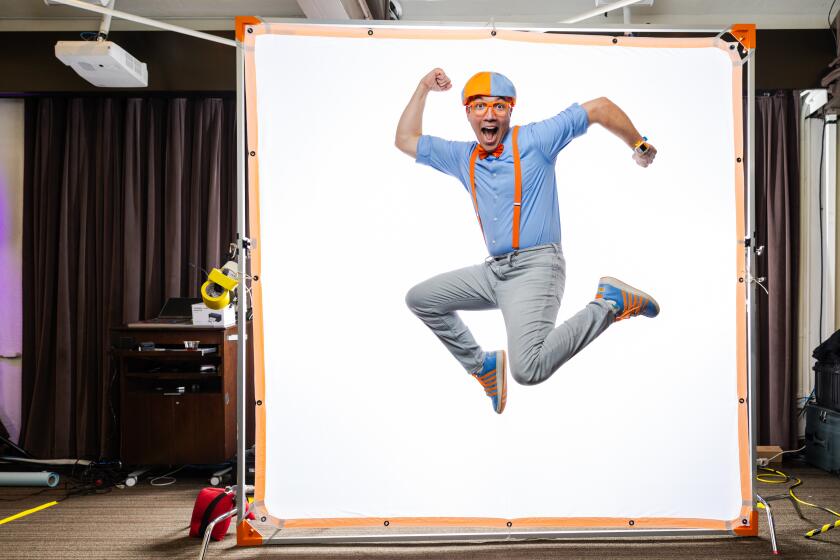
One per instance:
(807,400)
(822,251)
(783,452)
(172,479)
(778,477)
(822,272)
(92,479)
(830,26)
(250,295)
(243,277)
(32,495)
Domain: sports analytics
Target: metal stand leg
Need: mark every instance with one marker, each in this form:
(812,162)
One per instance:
(206,541)
(19,450)
(769,523)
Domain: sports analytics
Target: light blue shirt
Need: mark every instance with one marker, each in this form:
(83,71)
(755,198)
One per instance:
(539,144)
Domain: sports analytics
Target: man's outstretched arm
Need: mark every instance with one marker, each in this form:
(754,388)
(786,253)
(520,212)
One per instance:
(609,115)
(410,127)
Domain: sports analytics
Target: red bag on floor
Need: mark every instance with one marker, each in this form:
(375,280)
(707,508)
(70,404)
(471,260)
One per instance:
(210,504)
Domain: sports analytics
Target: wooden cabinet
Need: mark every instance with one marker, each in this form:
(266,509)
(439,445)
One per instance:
(178,405)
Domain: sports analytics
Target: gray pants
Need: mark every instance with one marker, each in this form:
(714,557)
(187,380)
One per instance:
(527,286)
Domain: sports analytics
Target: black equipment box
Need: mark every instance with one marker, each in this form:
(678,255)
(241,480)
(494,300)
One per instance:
(822,438)
(827,384)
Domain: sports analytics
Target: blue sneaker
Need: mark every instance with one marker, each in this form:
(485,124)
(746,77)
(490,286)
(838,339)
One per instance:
(492,378)
(627,300)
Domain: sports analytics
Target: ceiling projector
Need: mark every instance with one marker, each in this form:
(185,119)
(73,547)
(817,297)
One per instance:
(102,63)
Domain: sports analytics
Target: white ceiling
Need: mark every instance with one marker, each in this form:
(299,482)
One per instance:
(34,15)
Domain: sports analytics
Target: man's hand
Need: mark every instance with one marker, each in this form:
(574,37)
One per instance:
(436,80)
(410,127)
(646,158)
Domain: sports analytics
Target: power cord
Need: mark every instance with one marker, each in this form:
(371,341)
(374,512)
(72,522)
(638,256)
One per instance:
(805,404)
(822,249)
(774,476)
(168,478)
(94,478)
(764,461)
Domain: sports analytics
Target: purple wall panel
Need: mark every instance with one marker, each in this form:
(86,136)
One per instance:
(11,230)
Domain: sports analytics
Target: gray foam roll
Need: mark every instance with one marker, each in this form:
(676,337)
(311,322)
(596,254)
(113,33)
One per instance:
(29,479)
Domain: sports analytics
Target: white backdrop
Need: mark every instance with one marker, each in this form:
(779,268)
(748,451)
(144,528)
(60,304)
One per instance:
(367,414)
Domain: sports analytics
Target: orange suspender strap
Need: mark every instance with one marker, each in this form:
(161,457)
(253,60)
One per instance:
(473,157)
(517,194)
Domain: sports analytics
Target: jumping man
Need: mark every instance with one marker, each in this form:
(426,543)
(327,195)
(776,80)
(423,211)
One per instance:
(509,174)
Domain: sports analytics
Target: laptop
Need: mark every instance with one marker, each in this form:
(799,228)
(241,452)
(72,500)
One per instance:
(176,311)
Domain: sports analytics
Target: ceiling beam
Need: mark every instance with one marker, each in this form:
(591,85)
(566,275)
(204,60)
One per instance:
(601,10)
(335,9)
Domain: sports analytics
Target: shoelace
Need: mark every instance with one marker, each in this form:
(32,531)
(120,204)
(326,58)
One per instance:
(488,381)
(632,307)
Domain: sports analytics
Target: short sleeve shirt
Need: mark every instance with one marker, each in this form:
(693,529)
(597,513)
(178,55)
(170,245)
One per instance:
(539,143)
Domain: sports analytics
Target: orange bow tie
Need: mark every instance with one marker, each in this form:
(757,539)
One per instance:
(482,153)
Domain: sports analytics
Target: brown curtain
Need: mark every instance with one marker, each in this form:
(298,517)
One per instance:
(126,200)
(777,229)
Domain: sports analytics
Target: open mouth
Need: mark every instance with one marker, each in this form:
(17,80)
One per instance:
(489,134)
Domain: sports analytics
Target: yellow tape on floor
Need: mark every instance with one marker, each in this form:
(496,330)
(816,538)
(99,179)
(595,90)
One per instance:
(27,512)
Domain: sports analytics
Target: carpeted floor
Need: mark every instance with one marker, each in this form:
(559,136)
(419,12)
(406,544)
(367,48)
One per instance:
(151,522)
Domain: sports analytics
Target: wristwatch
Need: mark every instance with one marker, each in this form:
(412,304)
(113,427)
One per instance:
(641,146)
